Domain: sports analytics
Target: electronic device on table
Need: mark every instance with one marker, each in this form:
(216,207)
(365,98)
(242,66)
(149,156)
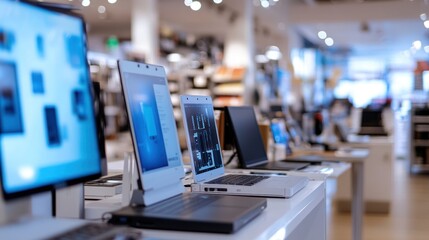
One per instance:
(162,202)
(249,145)
(48,137)
(207,164)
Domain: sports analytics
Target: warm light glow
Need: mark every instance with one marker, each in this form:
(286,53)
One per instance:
(86,3)
(426,23)
(195,5)
(101,9)
(423,16)
(217,1)
(112,1)
(187,2)
(417,45)
(322,34)
(329,41)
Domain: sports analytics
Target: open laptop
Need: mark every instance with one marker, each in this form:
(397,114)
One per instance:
(207,164)
(248,142)
(372,122)
(159,161)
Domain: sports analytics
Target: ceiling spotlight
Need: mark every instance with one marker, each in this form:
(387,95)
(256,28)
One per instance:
(329,41)
(112,1)
(261,58)
(417,45)
(426,23)
(265,3)
(322,34)
(86,3)
(195,5)
(187,2)
(273,53)
(217,1)
(423,16)
(101,9)
(174,57)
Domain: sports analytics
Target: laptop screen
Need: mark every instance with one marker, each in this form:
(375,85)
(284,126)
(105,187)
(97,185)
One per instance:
(205,147)
(153,124)
(248,138)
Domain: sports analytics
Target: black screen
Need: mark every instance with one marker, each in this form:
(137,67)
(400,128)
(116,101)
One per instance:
(248,139)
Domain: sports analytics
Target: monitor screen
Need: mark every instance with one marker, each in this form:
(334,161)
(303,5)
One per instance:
(248,139)
(278,130)
(48,135)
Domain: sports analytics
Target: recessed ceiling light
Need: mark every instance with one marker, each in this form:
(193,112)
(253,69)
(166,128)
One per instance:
(265,3)
(112,1)
(417,45)
(329,41)
(86,3)
(322,34)
(195,5)
(423,16)
(187,2)
(101,9)
(217,1)
(426,23)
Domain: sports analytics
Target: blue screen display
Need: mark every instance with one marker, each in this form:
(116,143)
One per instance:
(154,127)
(47,129)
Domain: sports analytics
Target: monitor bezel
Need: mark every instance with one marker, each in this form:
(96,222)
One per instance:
(67,182)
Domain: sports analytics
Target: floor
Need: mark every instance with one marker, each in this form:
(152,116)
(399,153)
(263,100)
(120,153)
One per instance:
(407,220)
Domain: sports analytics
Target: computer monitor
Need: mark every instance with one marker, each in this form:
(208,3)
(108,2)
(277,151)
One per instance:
(48,135)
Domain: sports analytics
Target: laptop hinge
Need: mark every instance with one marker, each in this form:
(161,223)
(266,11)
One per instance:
(257,163)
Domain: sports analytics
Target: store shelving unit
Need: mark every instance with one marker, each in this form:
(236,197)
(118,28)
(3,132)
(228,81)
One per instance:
(419,145)
(227,86)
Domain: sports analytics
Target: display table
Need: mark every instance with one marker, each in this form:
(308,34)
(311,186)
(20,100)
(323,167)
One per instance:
(301,217)
(357,158)
(377,190)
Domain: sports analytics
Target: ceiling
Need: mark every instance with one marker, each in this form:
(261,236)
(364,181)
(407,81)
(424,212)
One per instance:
(358,27)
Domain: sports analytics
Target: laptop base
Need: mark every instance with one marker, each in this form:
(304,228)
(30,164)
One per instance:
(282,166)
(172,214)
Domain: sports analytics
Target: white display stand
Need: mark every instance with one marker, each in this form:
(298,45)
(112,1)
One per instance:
(377,191)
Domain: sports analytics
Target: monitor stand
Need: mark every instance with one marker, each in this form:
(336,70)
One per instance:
(14,210)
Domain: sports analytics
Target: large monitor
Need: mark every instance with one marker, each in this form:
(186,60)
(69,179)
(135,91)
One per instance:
(48,134)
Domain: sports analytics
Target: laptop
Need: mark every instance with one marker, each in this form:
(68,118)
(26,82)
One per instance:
(248,142)
(372,123)
(251,152)
(164,203)
(207,164)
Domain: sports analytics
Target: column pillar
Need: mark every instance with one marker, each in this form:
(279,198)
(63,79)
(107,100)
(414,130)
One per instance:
(144,29)
(240,47)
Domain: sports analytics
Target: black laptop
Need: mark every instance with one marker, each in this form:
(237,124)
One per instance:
(162,202)
(248,142)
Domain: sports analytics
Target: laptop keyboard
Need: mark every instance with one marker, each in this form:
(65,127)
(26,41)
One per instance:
(98,231)
(236,179)
(184,204)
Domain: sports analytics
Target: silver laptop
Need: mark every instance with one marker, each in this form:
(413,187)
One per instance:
(207,164)
(161,202)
